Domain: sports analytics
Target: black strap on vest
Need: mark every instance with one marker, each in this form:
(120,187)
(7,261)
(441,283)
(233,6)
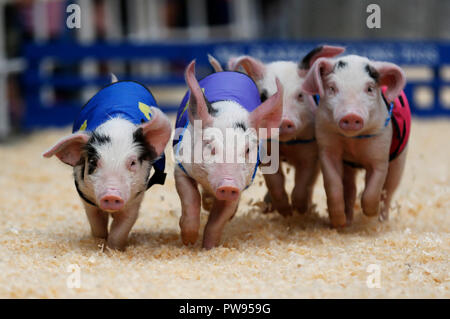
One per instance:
(83,196)
(158,177)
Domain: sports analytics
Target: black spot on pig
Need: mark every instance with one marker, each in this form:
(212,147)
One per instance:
(372,72)
(90,149)
(263,96)
(92,157)
(146,151)
(193,107)
(341,64)
(240,125)
(99,139)
(305,63)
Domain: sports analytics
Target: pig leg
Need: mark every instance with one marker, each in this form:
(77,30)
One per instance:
(98,221)
(207,200)
(190,207)
(277,192)
(332,168)
(395,172)
(221,212)
(349,192)
(375,179)
(305,178)
(121,226)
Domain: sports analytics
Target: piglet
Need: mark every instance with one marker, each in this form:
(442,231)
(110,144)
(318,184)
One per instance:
(118,137)
(297,138)
(222,103)
(363,121)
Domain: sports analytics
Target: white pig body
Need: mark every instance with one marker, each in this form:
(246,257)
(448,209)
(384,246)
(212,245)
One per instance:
(227,103)
(112,155)
(297,130)
(354,129)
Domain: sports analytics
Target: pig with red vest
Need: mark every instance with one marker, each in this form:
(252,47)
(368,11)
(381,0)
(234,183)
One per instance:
(362,122)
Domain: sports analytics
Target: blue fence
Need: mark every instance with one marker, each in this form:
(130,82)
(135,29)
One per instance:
(433,55)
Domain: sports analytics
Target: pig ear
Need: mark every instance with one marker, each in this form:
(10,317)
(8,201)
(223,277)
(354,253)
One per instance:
(69,149)
(157,131)
(313,83)
(214,63)
(254,68)
(323,51)
(392,76)
(198,105)
(268,114)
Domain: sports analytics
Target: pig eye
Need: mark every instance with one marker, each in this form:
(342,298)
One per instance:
(92,165)
(331,90)
(370,89)
(247,150)
(132,163)
(300,97)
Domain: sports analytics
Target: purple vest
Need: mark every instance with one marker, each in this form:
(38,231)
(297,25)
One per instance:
(222,86)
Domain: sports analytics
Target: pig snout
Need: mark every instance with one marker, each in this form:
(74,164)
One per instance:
(227,190)
(351,122)
(287,127)
(111,201)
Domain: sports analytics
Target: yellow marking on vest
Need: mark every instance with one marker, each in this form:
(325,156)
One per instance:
(186,106)
(146,110)
(83,126)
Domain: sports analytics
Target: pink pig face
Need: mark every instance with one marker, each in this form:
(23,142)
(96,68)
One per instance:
(298,107)
(221,141)
(112,164)
(350,90)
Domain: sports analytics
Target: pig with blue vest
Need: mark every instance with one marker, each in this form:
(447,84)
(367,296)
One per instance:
(216,144)
(117,153)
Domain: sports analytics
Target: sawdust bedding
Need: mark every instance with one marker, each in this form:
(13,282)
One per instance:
(44,235)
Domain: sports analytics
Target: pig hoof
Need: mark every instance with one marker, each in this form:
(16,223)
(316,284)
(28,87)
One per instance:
(339,222)
(209,245)
(285,212)
(207,201)
(268,209)
(189,237)
(301,209)
(116,246)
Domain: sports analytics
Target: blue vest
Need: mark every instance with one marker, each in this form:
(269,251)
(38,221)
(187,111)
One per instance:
(128,100)
(221,86)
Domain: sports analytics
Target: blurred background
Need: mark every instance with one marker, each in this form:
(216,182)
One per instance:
(49,68)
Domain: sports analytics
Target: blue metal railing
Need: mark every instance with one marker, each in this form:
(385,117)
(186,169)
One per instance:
(433,55)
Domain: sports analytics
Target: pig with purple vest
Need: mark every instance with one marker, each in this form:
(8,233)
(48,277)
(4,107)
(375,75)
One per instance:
(118,138)
(362,122)
(221,103)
